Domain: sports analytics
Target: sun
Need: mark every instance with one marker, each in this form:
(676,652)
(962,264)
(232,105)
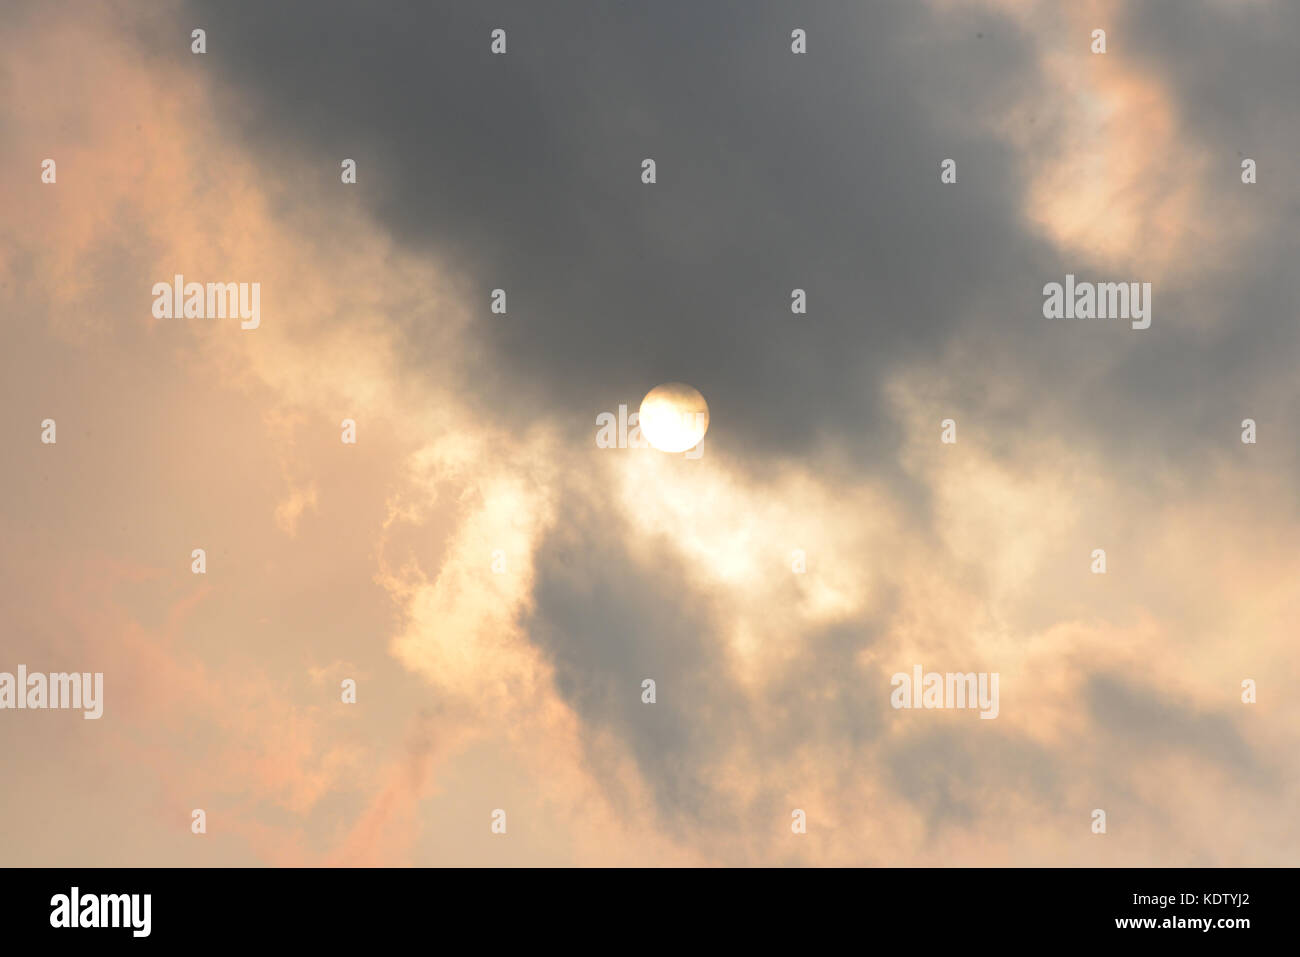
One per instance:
(674,417)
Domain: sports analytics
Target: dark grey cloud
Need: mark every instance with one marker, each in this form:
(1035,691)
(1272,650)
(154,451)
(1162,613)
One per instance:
(608,621)
(775,172)
(1231,71)
(608,618)
(950,775)
(1144,719)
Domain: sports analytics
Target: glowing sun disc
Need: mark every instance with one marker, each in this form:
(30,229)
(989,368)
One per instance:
(674,417)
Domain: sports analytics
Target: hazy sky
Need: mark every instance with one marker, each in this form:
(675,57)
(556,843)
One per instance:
(498,585)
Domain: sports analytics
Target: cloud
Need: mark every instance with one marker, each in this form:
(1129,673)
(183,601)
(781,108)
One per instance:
(499,586)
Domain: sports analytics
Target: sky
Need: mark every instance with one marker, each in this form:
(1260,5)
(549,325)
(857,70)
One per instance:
(498,586)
